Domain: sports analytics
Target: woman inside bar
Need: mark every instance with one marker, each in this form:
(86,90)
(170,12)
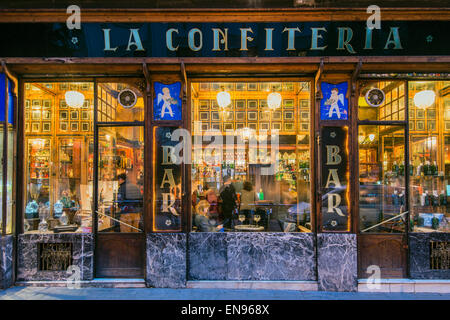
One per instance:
(202,220)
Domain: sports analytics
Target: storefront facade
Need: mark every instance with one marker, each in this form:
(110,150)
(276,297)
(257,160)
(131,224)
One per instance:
(334,138)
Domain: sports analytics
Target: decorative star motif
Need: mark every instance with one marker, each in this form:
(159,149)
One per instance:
(74,40)
(430,38)
(334,223)
(168,222)
(168,135)
(333,134)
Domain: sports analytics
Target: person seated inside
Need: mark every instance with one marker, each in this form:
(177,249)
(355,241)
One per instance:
(202,219)
(210,196)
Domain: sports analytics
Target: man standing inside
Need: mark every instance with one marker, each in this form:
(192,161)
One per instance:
(228,200)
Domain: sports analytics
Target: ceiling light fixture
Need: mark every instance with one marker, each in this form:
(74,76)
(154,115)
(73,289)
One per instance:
(74,99)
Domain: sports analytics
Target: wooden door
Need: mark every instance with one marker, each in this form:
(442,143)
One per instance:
(119,180)
(382,201)
(388,252)
(120,255)
(120,242)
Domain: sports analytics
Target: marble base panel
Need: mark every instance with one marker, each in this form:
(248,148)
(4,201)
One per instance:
(337,262)
(251,256)
(6,261)
(419,255)
(83,256)
(166,260)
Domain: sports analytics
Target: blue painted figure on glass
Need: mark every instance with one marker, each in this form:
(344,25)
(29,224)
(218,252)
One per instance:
(167,103)
(334,105)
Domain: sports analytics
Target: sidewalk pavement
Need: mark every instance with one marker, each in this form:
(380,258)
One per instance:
(62,293)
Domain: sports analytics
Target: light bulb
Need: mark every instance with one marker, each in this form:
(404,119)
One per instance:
(424,99)
(371,137)
(223,99)
(74,99)
(274,100)
(361,139)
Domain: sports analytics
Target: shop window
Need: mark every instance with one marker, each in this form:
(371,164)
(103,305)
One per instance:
(251,157)
(7,131)
(382,194)
(382,101)
(429,144)
(58,164)
(121,179)
(119,102)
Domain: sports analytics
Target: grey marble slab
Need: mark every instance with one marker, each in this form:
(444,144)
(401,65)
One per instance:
(251,256)
(82,255)
(6,261)
(271,256)
(337,262)
(419,255)
(166,260)
(207,256)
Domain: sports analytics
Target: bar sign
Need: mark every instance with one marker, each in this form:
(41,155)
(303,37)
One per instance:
(335,179)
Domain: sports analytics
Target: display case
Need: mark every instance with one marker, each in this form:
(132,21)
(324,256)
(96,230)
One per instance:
(38,153)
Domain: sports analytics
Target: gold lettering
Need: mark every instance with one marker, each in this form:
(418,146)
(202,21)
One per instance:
(134,34)
(333,178)
(217,33)
(291,37)
(169,156)
(332,205)
(333,157)
(245,38)
(168,201)
(168,178)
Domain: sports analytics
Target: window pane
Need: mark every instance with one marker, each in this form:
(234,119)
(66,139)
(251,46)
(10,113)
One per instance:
(119,102)
(58,156)
(381,179)
(429,156)
(121,179)
(251,157)
(381,100)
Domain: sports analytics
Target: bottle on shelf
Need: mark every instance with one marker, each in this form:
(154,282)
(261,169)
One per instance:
(427,168)
(401,169)
(443,198)
(435,198)
(434,169)
(395,168)
(261,194)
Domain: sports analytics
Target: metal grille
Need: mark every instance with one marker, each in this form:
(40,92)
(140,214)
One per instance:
(439,255)
(55,256)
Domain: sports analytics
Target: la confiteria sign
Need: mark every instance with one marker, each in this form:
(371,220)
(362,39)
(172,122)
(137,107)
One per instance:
(262,39)
(220,39)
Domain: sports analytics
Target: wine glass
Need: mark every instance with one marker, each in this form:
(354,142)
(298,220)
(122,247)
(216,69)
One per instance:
(241,218)
(257,217)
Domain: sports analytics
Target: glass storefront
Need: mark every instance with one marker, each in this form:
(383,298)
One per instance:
(382,170)
(59,157)
(429,162)
(58,119)
(251,156)
(7,148)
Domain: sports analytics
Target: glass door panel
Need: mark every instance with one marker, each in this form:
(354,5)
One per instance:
(10,180)
(382,193)
(120,179)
